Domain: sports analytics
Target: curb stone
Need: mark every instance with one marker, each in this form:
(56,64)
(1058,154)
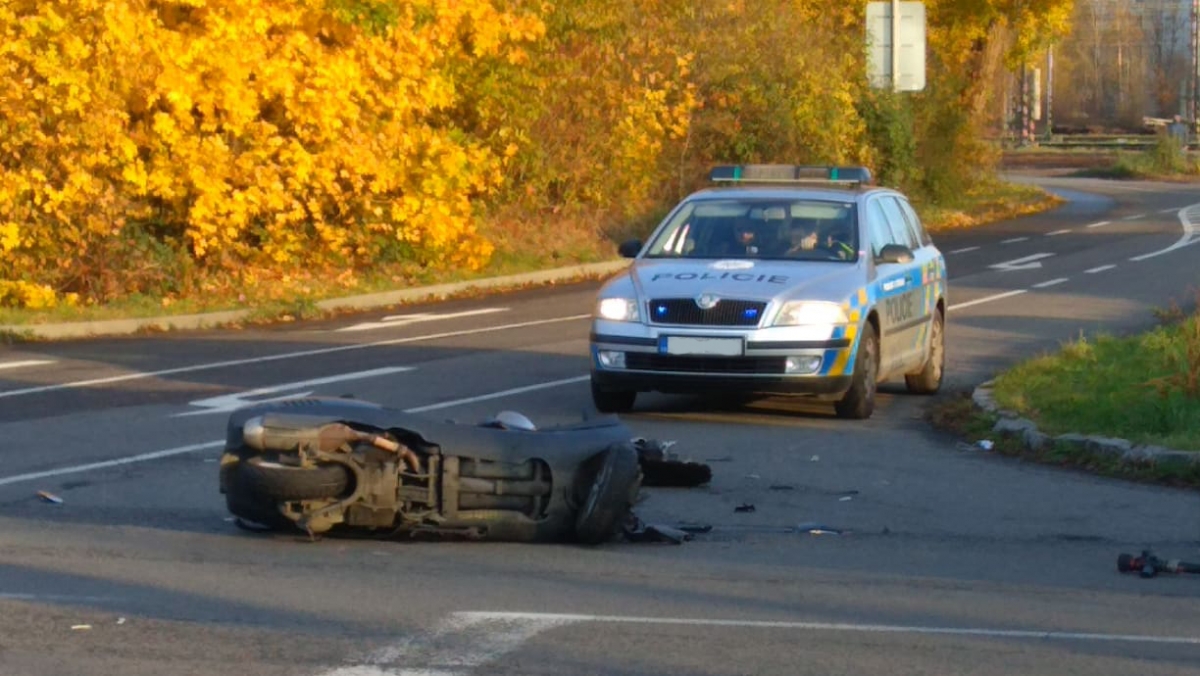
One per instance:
(110,327)
(1122,450)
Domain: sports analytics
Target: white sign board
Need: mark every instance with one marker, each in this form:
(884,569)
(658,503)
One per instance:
(896,45)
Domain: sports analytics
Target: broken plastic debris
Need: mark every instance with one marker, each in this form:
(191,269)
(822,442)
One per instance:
(77,627)
(50,497)
(753,476)
(120,620)
(744,507)
(845,498)
(814,458)
(985,444)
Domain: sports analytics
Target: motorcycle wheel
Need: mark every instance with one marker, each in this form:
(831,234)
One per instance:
(614,488)
(263,478)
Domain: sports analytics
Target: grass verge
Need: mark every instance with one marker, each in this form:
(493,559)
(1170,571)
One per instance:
(294,294)
(1144,388)
(1166,160)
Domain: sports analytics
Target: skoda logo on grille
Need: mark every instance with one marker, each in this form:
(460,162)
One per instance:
(707,301)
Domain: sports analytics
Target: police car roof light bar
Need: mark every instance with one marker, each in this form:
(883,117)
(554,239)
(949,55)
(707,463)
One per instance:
(789,173)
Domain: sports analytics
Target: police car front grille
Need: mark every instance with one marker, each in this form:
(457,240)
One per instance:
(645,361)
(684,311)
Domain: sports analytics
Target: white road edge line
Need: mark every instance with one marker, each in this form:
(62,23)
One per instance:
(1058,232)
(218,443)
(24,363)
(835,626)
(1052,282)
(1102,268)
(278,357)
(1189,232)
(964,250)
(1099,224)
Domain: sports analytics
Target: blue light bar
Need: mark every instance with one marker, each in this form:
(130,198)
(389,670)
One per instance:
(789,173)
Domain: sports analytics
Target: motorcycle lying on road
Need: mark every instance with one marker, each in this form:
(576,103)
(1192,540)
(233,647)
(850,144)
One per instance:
(328,464)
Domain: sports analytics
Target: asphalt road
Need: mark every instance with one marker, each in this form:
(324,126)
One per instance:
(954,561)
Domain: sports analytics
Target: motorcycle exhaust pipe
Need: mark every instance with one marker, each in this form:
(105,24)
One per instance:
(286,434)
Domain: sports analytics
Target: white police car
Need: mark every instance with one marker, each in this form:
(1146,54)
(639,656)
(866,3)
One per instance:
(786,280)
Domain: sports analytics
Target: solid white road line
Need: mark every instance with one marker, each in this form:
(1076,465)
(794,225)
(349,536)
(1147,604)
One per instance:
(1187,219)
(227,403)
(964,250)
(286,355)
(460,644)
(1102,268)
(839,626)
(218,443)
(392,321)
(1052,282)
(116,462)
(24,363)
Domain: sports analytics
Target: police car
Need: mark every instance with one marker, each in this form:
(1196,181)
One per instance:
(778,279)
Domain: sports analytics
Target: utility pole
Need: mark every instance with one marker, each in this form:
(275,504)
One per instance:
(1050,93)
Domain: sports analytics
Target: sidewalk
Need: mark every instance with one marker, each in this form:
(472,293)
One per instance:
(112,327)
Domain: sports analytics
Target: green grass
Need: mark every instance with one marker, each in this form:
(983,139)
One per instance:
(1144,388)
(1164,160)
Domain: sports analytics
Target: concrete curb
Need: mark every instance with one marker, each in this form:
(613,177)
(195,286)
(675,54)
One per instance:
(113,327)
(1011,425)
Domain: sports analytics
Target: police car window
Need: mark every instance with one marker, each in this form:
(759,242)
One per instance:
(898,224)
(915,221)
(792,229)
(881,234)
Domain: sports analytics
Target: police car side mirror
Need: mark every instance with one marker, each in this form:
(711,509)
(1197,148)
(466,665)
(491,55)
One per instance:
(895,253)
(630,248)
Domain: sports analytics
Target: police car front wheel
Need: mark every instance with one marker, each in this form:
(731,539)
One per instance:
(612,401)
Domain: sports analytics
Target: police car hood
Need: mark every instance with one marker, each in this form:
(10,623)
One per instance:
(745,279)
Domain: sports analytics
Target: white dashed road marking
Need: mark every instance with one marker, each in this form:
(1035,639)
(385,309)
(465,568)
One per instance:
(1099,224)
(1134,217)
(1102,268)
(24,363)
(965,250)
(1052,282)
(987,299)
(1014,240)
(1058,232)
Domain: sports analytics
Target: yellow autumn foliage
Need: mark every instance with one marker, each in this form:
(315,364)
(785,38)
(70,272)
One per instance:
(246,133)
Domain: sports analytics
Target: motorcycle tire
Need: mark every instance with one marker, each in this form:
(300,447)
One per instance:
(613,490)
(273,481)
(257,510)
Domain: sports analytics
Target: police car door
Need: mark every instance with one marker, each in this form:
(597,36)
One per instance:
(898,288)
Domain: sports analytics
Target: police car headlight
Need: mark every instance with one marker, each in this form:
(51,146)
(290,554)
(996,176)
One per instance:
(809,313)
(617,309)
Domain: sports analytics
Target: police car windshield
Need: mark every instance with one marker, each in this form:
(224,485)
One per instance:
(767,229)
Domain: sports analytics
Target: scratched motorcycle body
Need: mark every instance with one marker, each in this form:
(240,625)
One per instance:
(326,465)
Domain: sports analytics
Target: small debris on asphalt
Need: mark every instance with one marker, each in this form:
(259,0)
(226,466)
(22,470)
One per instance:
(753,476)
(985,444)
(814,458)
(80,627)
(845,498)
(744,507)
(782,487)
(120,620)
(50,497)
(813,528)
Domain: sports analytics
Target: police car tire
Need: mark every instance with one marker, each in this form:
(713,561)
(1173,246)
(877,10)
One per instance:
(859,401)
(613,401)
(611,494)
(929,380)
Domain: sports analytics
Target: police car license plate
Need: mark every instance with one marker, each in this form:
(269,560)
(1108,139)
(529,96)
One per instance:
(727,347)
